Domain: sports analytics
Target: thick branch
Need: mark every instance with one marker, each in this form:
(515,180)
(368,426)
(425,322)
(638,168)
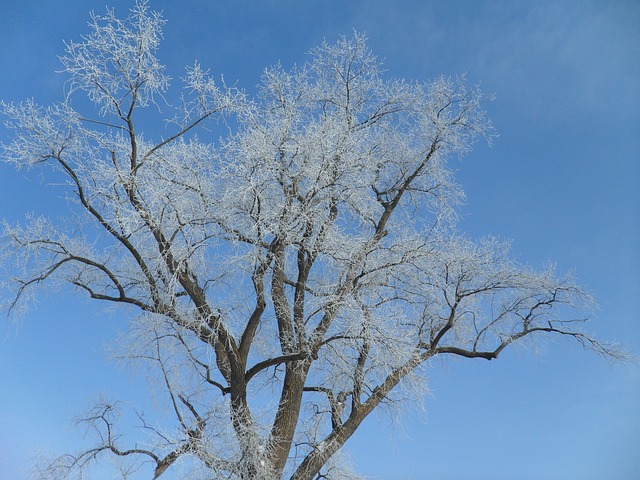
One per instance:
(263,365)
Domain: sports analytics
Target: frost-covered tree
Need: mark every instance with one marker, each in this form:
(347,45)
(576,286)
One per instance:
(291,275)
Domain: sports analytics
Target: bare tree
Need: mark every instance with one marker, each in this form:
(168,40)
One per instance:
(291,277)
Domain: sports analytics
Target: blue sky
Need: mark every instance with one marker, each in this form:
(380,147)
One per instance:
(561,181)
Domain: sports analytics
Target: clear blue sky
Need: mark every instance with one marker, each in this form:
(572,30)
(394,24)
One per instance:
(561,181)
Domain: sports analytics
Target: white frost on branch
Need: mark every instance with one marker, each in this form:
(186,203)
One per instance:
(290,277)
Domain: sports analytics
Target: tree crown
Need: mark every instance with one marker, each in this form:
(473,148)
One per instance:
(291,276)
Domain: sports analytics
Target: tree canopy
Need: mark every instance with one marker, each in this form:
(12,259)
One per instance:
(290,260)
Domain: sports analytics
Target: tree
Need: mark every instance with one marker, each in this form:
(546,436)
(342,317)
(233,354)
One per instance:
(289,278)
